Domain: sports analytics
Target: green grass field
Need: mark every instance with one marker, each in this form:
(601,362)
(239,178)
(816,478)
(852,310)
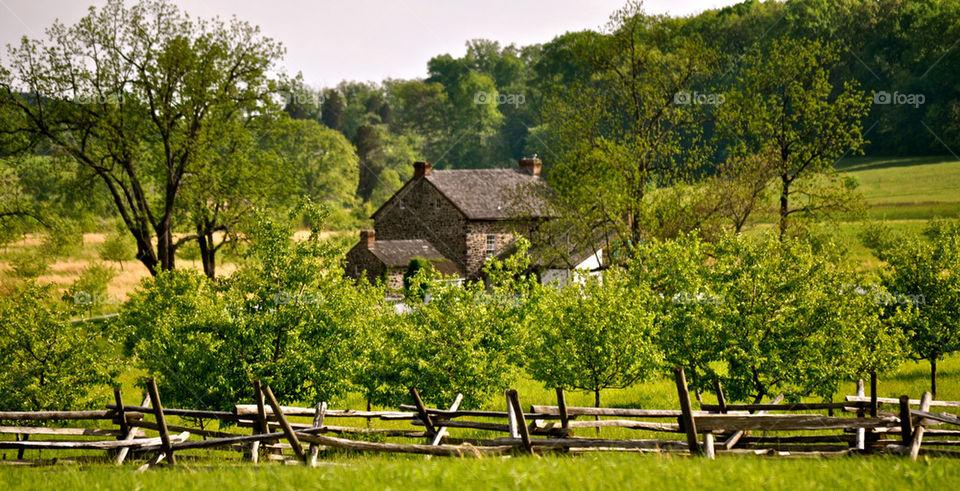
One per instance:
(908,188)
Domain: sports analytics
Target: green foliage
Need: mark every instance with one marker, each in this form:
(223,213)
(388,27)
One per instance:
(786,107)
(89,291)
(29,264)
(49,362)
(288,317)
(117,246)
(592,335)
(922,286)
(456,339)
(412,279)
(765,317)
(62,238)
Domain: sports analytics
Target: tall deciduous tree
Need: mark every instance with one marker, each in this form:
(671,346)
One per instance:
(140,96)
(631,127)
(787,106)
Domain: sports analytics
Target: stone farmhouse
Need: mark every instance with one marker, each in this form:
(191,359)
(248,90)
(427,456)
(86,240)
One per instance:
(457,219)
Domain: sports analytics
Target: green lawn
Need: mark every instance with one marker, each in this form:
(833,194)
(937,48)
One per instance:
(908,188)
(602,471)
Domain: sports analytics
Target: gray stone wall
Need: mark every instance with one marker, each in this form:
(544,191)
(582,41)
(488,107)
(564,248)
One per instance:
(476,242)
(361,262)
(415,214)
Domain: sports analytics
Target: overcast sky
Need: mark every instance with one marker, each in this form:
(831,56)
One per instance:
(368,39)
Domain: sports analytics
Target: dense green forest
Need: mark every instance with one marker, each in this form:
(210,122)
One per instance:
(659,103)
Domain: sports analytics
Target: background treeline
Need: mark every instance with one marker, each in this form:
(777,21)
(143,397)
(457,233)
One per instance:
(890,46)
(181,160)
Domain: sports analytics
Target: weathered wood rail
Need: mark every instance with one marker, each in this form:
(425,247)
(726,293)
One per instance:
(771,428)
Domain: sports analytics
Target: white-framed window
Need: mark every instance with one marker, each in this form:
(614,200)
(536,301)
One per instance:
(491,245)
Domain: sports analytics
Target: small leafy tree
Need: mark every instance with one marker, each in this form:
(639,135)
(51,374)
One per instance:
(118,246)
(592,335)
(413,268)
(922,297)
(288,316)
(464,339)
(786,108)
(49,362)
(764,316)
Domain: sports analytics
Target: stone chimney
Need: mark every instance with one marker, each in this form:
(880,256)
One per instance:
(421,169)
(367,238)
(531,165)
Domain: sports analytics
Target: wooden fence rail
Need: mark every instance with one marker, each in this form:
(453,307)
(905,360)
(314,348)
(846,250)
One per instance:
(768,428)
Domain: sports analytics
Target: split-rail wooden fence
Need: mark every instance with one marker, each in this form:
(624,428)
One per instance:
(860,424)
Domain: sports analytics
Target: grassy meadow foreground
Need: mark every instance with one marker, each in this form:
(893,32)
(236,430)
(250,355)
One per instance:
(553,472)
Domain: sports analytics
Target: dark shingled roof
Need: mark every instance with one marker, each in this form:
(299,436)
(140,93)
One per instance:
(492,194)
(395,253)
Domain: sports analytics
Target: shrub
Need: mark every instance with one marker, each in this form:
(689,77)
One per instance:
(592,335)
(29,264)
(49,362)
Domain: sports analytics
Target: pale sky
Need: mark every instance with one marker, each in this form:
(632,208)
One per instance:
(368,39)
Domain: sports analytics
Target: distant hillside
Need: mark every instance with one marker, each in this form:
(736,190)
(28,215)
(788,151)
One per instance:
(908,188)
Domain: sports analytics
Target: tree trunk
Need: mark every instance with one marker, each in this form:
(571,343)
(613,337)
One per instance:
(596,398)
(933,376)
(784,205)
(165,247)
(208,252)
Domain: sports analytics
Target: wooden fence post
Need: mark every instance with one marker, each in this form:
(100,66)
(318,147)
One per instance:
(861,432)
(422,410)
(687,413)
(906,421)
(287,429)
(918,432)
(161,421)
(513,401)
(562,407)
(511,416)
(721,399)
(131,434)
(442,430)
(317,423)
(708,450)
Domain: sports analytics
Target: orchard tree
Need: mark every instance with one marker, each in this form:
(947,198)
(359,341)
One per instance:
(685,303)
(795,318)
(591,335)
(139,96)
(288,317)
(787,108)
(458,339)
(48,361)
(922,296)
